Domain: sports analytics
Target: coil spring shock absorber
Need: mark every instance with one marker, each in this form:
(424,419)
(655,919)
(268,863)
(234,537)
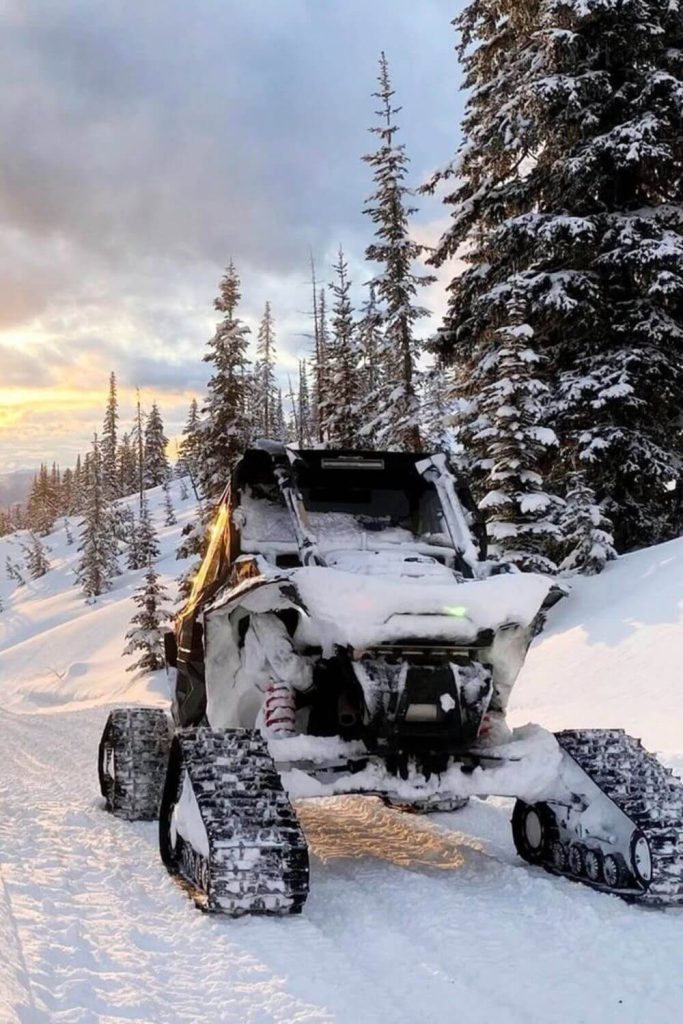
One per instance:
(279,710)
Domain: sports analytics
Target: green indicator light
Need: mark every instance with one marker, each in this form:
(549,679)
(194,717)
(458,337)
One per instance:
(458,612)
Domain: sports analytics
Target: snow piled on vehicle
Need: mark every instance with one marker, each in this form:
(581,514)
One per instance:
(359,611)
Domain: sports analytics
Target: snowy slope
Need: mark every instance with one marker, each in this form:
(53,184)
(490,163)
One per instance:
(56,650)
(409,919)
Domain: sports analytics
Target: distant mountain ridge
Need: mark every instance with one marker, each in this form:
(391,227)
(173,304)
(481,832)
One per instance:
(15,486)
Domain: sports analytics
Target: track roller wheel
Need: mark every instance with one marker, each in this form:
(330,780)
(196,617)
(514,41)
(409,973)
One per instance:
(577,859)
(558,855)
(533,831)
(614,871)
(592,862)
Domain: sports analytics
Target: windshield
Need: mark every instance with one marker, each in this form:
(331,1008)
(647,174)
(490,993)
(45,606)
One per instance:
(389,515)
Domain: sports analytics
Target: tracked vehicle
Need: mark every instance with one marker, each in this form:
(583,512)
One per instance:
(346,634)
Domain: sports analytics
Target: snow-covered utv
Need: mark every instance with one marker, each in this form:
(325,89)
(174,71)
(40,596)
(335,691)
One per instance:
(345,633)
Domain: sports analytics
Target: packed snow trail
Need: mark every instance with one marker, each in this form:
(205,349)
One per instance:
(408,920)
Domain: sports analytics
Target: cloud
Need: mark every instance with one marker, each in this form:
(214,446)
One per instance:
(141,147)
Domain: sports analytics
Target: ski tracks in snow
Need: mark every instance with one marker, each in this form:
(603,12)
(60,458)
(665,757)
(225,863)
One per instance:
(409,919)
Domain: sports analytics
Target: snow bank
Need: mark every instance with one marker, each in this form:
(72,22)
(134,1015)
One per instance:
(612,654)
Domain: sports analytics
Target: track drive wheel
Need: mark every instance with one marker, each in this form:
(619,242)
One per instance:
(533,831)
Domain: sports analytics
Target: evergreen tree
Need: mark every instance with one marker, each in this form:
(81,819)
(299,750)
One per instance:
(35,558)
(280,429)
(342,415)
(156,466)
(569,192)
(127,466)
(225,429)
(67,505)
(13,571)
(77,488)
(67,532)
(190,447)
(169,512)
(264,385)
(43,502)
(146,633)
(437,410)
(304,421)
(506,441)
(371,345)
(396,413)
(99,549)
(585,532)
(144,546)
(110,474)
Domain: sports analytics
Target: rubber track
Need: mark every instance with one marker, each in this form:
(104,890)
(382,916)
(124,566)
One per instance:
(137,742)
(258,860)
(645,790)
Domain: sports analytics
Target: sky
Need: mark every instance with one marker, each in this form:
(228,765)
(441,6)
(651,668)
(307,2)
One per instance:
(144,145)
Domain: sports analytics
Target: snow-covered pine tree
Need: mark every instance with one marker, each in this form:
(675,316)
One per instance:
(36,558)
(585,533)
(371,346)
(68,532)
(317,363)
(507,441)
(184,493)
(99,548)
(264,385)
(146,633)
(43,503)
(280,429)
(56,488)
(304,419)
(572,188)
(225,429)
(155,457)
(396,415)
(13,571)
(67,493)
(144,546)
(189,454)
(127,466)
(108,444)
(436,403)
(341,414)
(169,512)
(78,488)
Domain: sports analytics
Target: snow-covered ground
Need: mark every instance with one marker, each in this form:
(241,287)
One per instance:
(409,919)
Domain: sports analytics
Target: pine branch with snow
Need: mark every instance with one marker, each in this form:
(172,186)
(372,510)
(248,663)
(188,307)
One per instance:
(586,532)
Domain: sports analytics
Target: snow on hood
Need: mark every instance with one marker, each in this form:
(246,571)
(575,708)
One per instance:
(351,608)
